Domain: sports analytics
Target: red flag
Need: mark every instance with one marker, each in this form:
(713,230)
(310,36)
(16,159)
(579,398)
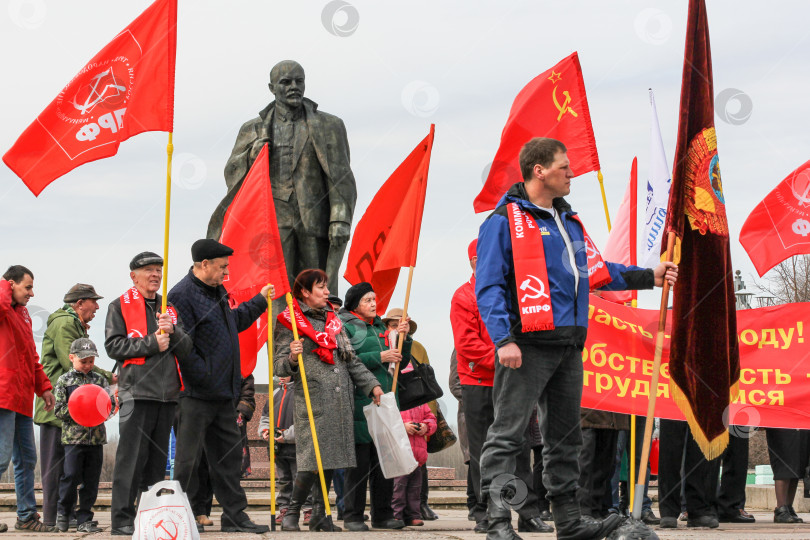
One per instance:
(621,245)
(704,361)
(251,229)
(552,105)
(779,227)
(387,236)
(126,89)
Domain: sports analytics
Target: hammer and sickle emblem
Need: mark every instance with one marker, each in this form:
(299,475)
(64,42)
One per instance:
(535,292)
(169,535)
(564,108)
(590,249)
(321,336)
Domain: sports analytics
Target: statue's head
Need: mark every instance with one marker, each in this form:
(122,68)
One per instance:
(287,83)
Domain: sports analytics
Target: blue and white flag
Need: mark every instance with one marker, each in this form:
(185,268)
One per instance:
(658,184)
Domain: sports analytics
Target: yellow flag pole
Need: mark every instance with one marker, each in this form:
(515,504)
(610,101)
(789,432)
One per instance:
(271,410)
(328,509)
(604,198)
(404,316)
(659,352)
(169,152)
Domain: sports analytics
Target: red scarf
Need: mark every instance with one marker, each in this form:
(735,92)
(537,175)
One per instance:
(133,310)
(531,276)
(326,340)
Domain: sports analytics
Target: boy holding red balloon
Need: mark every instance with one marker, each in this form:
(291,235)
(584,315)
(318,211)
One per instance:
(83,404)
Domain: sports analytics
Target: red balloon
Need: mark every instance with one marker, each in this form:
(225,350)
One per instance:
(89,405)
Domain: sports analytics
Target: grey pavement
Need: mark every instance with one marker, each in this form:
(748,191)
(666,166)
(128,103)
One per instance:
(452,525)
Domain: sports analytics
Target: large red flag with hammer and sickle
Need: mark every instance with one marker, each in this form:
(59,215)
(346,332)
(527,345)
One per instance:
(552,105)
(126,89)
(779,227)
(704,362)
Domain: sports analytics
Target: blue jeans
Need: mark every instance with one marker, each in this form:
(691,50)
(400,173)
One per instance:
(17,444)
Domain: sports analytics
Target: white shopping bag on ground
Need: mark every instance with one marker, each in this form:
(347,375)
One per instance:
(389,436)
(165,516)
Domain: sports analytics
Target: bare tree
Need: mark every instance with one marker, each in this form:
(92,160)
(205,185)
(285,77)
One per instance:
(789,281)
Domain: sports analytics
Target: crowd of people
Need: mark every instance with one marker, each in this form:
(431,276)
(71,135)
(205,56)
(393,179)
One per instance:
(516,371)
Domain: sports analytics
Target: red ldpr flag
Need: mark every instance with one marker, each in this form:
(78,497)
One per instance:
(552,105)
(387,236)
(251,229)
(704,359)
(621,245)
(779,227)
(126,89)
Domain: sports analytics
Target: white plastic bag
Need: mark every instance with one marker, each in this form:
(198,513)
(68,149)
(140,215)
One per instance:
(166,516)
(389,436)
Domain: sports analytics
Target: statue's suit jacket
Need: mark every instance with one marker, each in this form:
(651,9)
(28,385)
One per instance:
(328,136)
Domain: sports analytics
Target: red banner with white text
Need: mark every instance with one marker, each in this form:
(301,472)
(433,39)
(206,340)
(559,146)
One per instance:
(774,364)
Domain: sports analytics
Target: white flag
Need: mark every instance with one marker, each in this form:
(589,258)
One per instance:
(658,184)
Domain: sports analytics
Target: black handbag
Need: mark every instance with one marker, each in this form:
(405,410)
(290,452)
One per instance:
(417,387)
(444,436)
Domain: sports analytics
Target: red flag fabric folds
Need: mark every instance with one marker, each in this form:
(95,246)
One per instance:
(251,229)
(704,358)
(621,245)
(126,89)
(779,227)
(387,236)
(552,105)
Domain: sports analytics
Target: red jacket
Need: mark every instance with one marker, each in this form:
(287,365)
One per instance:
(422,415)
(21,374)
(474,348)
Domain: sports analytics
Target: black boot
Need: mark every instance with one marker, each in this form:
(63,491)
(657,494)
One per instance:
(572,526)
(319,521)
(301,488)
(499,521)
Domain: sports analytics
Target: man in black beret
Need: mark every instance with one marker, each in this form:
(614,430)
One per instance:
(145,343)
(212,377)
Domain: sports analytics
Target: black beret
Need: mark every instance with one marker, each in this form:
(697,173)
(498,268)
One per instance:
(355,293)
(145,259)
(207,249)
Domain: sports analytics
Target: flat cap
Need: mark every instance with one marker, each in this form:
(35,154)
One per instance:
(207,249)
(145,259)
(83,348)
(81,291)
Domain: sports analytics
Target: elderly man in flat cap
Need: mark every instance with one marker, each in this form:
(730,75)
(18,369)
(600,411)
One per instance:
(212,377)
(147,345)
(65,325)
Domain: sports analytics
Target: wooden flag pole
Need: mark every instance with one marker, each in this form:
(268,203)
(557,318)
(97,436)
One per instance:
(271,408)
(402,336)
(169,152)
(328,509)
(604,198)
(659,351)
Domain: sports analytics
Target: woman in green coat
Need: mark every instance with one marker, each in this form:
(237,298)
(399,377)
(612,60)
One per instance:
(368,336)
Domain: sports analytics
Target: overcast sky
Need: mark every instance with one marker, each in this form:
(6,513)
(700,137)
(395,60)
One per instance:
(388,69)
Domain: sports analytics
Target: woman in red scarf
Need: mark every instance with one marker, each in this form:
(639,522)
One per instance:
(332,371)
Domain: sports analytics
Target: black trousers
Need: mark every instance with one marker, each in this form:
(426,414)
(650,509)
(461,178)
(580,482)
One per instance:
(596,462)
(140,460)
(731,493)
(479,409)
(211,425)
(423,494)
(82,466)
(537,478)
(680,462)
(51,461)
(203,497)
(367,472)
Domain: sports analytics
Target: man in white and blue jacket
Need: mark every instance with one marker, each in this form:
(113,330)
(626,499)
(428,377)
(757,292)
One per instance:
(536,266)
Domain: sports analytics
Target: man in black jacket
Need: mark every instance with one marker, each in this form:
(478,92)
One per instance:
(212,378)
(145,344)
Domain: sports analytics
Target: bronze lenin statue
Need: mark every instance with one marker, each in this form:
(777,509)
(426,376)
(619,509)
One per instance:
(313,186)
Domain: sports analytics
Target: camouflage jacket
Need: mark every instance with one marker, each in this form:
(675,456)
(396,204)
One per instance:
(72,432)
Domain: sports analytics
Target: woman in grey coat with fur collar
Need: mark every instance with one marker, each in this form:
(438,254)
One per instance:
(332,372)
